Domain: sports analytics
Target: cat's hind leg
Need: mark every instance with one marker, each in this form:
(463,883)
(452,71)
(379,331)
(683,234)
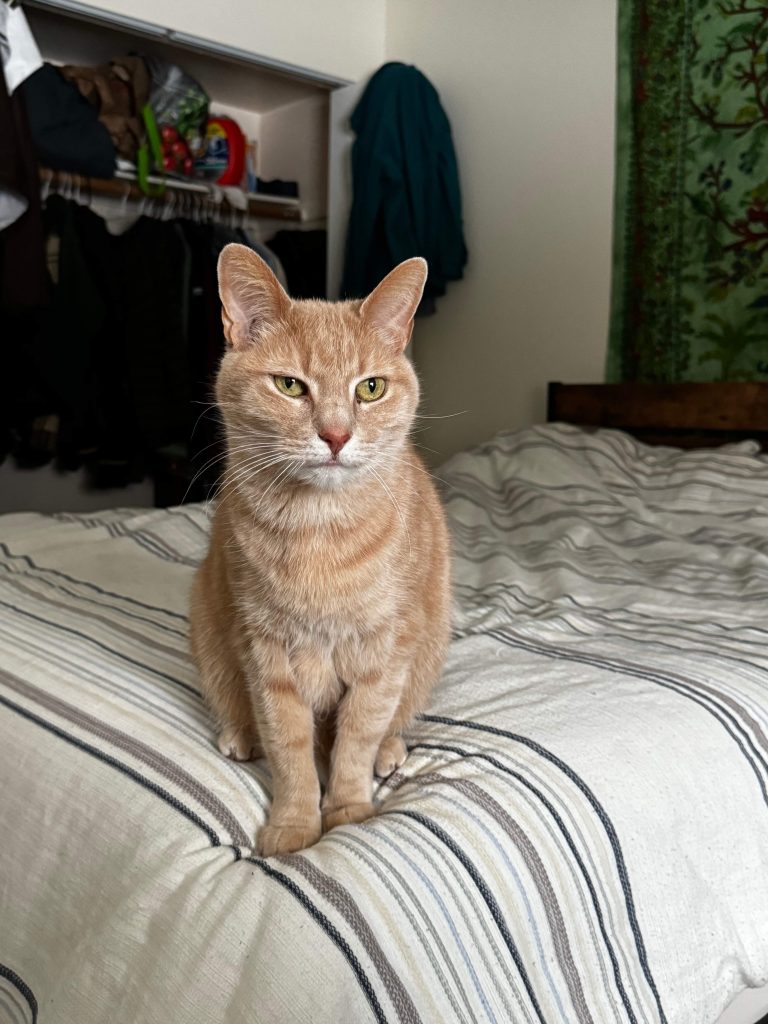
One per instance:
(222,680)
(423,673)
(227,696)
(392,754)
(239,742)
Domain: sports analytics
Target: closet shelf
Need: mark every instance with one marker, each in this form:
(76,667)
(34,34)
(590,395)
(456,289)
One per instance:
(123,186)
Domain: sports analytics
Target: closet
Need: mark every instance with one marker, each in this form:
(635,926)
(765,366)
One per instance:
(297,119)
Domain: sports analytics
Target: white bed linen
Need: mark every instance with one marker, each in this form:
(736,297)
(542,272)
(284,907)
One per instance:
(579,834)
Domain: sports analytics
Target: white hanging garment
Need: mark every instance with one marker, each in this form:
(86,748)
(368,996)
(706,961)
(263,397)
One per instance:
(18,49)
(20,57)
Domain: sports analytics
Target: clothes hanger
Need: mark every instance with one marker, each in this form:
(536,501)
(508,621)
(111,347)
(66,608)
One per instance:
(47,187)
(124,201)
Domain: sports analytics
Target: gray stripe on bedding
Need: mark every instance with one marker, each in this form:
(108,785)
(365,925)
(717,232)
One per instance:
(541,879)
(682,686)
(194,723)
(467,861)
(612,450)
(94,588)
(301,896)
(474,920)
(189,718)
(154,544)
(16,1009)
(340,899)
(630,620)
(91,641)
(180,653)
(540,798)
(151,758)
(594,879)
(417,856)
(422,930)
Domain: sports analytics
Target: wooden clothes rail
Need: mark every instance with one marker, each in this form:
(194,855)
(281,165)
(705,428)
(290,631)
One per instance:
(123,187)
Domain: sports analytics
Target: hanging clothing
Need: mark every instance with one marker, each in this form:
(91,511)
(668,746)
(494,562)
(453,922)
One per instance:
(23,281)
(152,274)
(406,196)
(303,257)
(206,344)
(19,54)
(101,377)
(66,129)
(71,331)
(75,408)
(19,58)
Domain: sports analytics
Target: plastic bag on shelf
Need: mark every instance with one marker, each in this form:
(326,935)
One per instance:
(179,107)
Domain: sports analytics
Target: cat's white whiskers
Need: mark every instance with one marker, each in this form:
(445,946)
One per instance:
(419,466)
(390,457)
(293,464)
(199,473)
(444,416)
(426,448)
(225,449)
(210,463)
(197,421)
(246,471)
(397,507)
(277,480)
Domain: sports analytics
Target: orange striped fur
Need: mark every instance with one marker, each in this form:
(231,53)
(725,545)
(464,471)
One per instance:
(320,617)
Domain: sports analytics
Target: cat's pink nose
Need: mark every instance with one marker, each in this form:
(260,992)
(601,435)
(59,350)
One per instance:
(335,439)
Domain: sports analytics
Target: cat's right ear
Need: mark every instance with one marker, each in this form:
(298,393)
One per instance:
(252,298)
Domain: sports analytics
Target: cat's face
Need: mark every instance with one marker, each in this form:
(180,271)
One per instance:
(319,391)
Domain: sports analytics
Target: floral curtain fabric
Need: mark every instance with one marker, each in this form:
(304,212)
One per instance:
(690,284)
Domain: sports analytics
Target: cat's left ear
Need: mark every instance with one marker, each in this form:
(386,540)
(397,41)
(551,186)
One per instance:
(252,299)
(391,306)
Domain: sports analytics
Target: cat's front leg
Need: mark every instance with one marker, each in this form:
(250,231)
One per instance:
(364,716)
(286,728)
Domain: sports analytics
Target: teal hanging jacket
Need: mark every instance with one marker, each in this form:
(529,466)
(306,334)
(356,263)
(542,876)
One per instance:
(406,197)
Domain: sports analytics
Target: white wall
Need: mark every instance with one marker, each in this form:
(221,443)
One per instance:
(293,144)
(343,38)
(528,86)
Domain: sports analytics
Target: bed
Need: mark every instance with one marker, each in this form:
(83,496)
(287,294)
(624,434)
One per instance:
(579,834)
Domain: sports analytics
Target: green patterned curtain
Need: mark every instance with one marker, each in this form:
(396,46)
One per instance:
(690,275)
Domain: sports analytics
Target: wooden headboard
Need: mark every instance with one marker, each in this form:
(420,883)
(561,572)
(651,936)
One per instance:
(683,415)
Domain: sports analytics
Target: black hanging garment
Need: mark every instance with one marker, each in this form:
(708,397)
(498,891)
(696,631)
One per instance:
(303,256)
(65,128)
(152,277)
(23,278)
(24,282)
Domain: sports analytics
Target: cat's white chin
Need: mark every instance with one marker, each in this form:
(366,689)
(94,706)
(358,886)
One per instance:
(330,476)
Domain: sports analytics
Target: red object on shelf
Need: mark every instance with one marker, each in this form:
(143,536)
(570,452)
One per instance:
(224,154)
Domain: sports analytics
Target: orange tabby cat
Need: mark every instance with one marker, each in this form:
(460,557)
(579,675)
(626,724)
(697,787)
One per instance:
(320,615)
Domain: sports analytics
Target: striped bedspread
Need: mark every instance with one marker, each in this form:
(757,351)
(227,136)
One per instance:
(578,836)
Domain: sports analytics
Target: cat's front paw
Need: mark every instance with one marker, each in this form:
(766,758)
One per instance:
(275,839)
(348,814)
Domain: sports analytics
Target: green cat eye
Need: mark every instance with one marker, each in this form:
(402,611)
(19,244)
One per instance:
(291,386)
(371,389)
